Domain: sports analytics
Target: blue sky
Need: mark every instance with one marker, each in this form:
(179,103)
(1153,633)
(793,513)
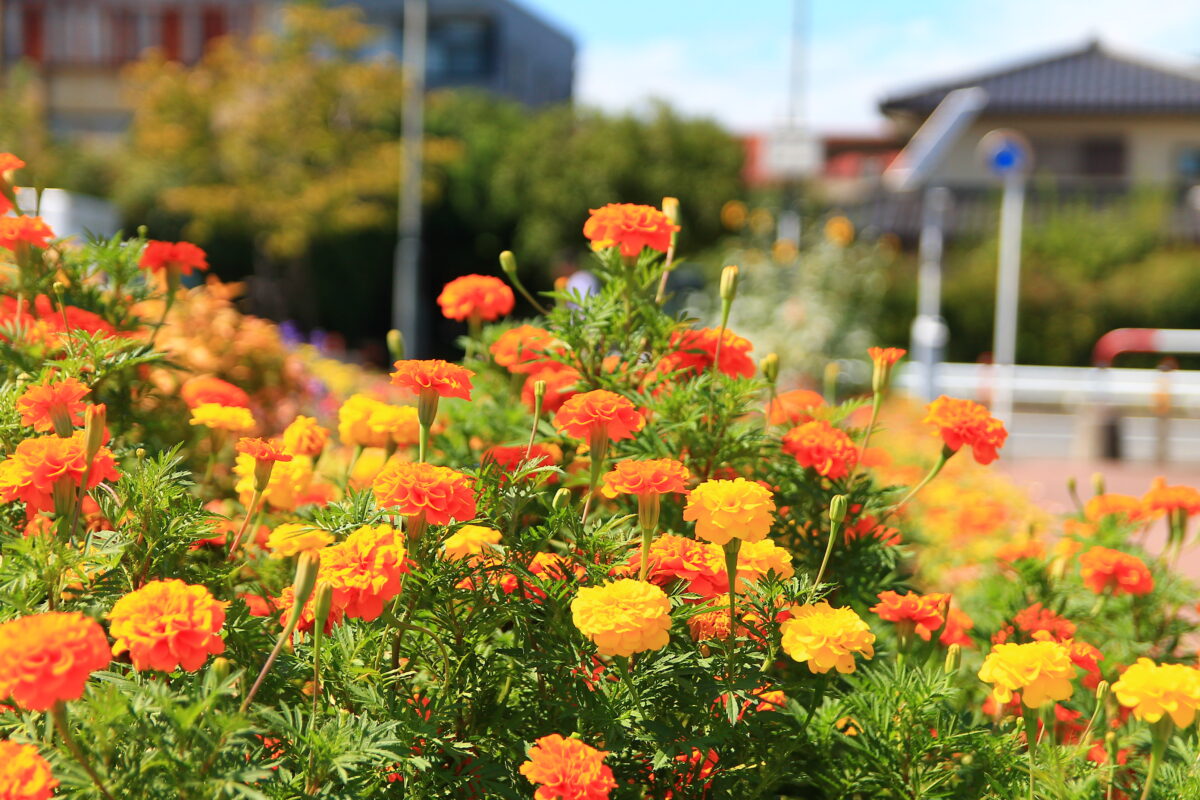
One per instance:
(729,58)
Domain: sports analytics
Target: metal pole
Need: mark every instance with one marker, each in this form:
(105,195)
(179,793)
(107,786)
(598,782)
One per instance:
(1008,286)
(406,278)
(928,329)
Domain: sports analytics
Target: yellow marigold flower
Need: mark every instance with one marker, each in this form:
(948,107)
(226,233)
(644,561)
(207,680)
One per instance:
(365,570)
(826,637)
(1040,671)
(304,437)
(24,774)
(289,481)
(756,559)
(469,540)
(223,418)
(366,422)
(293,538)
(623,617)
(1153,690)
(168,624)
(730,509)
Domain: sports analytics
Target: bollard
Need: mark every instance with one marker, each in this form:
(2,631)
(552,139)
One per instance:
(1110,436)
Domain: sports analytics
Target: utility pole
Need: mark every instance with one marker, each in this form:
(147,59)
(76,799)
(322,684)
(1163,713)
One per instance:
(406,270)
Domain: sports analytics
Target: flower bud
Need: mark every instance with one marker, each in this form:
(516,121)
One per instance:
(837,508)
(1097,483)
(670,207)
(1101,691)
(427,406)
(307,567)
(95,419)
(140,453)
(729,282)
(953,659)
(508,262)
(221,667)
(539,392)
(322,606)
(562,499)
(395,344)
(770,367)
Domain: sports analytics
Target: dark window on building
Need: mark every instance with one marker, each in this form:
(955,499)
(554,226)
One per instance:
(1104,158)
(33,34)
(125,46)
(213,24)
(460,48)
(1188,167)
(172,34)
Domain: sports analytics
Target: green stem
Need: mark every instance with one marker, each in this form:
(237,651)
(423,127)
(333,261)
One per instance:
(1030,718)
(250,511)
(731,560)
(876,402)
(834,529)
(1161,732)
(933,473)
(422,443)
(59,714)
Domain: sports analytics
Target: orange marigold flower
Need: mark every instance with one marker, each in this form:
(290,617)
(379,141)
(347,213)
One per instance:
(598,413)
(524,349)
(1120,505)
(168,624)
(470,541)
(886,356)
(693,351)
(41,465)
(24,774)
(49,406)
(434,376)
(758,559)
(567,769)
(481,297)
(958,622)
(828,450)
(629,227)
(825,637)
(561,385)
(304,437)
(1040,671)
(287,486)
(49,657)
(964,422)
(1035,619)
(234,419)
(1105,569)
(794,407)
(730,509)
(1153,691)
(1087,658)
(700,564)
(15,231)
(308,615)
(263,450)
(439,493)
(364,570)
(180,257)
(294,538)
(653,476)
(913,612)
(209,389)
(623,617)
(1163,499)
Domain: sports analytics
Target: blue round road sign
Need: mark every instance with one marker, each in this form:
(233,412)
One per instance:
(1005,152)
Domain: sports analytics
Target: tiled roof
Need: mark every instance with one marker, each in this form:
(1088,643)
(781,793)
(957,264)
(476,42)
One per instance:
(1091,80)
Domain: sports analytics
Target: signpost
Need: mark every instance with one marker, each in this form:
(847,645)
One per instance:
(1009,156)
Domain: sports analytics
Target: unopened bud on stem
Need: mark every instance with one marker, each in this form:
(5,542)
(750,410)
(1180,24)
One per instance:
(837,508)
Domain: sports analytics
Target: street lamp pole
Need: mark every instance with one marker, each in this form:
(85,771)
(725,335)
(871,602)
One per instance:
(406,278)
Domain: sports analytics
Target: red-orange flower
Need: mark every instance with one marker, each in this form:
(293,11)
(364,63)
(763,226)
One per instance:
(284,604)
(24,774)
(957,625)
(40,465)
(48,406)
(263,449)
(1105,569)
(204,389)
(913,612)
(630,227)
(794,407)
(964,422)
(567,769)
(181,257)
(168,624)
(32,231)
(654,476)
(524,349)
(598,413)
(49,657)
(886,356)
(439,377)
(1118,505)
(439,493)
(364,570)
(476,296)
(561,385)
(1163,499)
(9,162)
(693,351)
(509,458)
(699,564)
(1035,620)
(817,444)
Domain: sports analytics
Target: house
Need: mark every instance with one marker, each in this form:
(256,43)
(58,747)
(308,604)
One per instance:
(79,47)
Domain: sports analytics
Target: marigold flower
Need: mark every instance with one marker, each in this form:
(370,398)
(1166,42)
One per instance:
(524,349)
(308,615)
(366,422)
(828,450)
(629,227)
(623,617)
(204,389)
(598,413)
(481,297)
(24,774)
(886,356)
(15,231)
(913,612)
(49,657)
(757,559)
(1035,619)
(1105,569)
(700,564)
(234,419)
(1162,499)
(180,257)
(1084,656)
(958,622)
(794,407)
(470,541)
(1153,691)
(653,476)
(294,538)
(964,422)
(364,570)
(49,406)
(561,385)
(41,465)
(1040,671)
(825,637)
(439,493)
(567,769)
(168,624)
(287,486)
(263,450)
(1119,505)
(730,509)
(304,437)
(434,376)
(693,351)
